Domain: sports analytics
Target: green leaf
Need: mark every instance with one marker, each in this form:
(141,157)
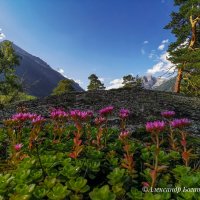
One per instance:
(22,175)
(20,197)
(78,185)
(151,196)
(116,176)
(24,189)
(58,192)
(102,193)
(134,194)
(40,192)
(181,170)
(49,182)
(70,171)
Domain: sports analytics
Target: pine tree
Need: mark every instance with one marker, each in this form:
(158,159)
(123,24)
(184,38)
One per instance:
(95,83)
(139,82)
(129,81)
(185,51)
(63,86)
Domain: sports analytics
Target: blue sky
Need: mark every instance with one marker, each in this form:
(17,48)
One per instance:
(110,38)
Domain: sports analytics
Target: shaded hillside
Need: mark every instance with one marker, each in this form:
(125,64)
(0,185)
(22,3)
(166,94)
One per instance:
(144,104)
(38,78)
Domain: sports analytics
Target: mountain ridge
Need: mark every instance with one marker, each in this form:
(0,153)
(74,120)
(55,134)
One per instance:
(37,77)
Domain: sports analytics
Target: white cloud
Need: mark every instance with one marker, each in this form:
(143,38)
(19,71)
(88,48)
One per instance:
(142,51)
(165,41)
(163,65)
(2,36)
(156,68)
(145,42)
(116,83)
(161,47)
(102,79)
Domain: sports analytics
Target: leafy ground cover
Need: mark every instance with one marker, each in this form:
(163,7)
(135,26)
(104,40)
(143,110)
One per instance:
(74,155)
(5,99)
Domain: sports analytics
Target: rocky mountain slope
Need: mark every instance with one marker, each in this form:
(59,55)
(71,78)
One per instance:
(38,78)
(144,105)
(150,82)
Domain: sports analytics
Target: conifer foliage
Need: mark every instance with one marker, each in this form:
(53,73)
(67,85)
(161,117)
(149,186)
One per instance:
(63,86)
(185,51)
(129,81)
(95,83)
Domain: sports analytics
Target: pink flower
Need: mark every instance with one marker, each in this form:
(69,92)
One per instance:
(124,113)
(23,117)
(32,116)
(99,120)
(18,147)
(123,135)
(106,111)
(38,119)
(90,113)
(85,115)
(74,113)
(180,123)
(168,114)
(156,126)
(81,115)
(58,113)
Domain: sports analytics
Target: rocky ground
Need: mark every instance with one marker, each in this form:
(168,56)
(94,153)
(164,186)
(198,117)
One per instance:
(143,104)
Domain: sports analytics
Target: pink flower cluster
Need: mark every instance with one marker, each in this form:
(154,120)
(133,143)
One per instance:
(168,114)
(80,115)
(58,113)
(106,111)
(156,126)
(18,147)
(38,119)
(180,123)
(124,113)
(23,116)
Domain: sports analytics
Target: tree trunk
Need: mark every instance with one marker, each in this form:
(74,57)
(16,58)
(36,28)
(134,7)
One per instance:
(193,39)
(178,80)
(179,77)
